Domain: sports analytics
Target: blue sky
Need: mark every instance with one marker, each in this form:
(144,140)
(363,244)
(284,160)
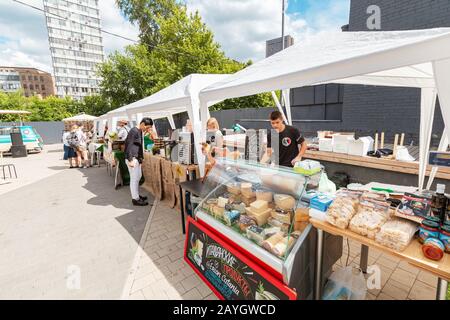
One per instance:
(240,26)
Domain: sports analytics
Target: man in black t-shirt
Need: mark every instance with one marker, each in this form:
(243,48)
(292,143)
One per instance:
(291,144)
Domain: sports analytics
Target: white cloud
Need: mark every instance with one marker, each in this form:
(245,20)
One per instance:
(242,27)
(23,36)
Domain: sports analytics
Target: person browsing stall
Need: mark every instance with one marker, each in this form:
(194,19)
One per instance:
(291,144)
(134,155)
(122,130)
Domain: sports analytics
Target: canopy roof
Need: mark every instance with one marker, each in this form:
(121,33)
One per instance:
(393,58)
(14,112)
(81,117)
(171,100)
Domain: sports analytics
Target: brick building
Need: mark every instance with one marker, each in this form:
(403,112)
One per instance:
(34,81)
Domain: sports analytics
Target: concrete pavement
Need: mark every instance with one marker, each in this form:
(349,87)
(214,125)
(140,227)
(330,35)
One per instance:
(66,233)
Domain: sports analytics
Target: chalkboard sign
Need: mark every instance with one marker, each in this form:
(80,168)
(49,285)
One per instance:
(230,275)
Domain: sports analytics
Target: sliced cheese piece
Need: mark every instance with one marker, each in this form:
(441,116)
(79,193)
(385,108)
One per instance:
(284,201)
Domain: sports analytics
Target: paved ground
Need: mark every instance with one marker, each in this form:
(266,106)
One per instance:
(70,227)
(58,226)
(160,272)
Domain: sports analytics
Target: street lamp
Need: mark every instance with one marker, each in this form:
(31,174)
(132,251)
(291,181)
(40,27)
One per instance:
(282,24)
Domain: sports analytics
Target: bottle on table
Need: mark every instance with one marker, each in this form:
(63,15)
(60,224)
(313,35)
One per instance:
(439,203)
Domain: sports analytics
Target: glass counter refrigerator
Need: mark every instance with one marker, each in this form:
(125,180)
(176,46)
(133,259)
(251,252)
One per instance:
(250,238)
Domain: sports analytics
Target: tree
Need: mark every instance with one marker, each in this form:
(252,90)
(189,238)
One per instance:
(185,46)
(144,14)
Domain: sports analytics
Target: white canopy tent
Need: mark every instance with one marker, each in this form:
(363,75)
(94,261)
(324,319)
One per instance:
(182,96)
(418,59)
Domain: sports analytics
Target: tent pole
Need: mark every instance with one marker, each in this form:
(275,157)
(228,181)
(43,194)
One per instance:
(443,145)
(427,106)
(287,104)
(441,70)
(280,108)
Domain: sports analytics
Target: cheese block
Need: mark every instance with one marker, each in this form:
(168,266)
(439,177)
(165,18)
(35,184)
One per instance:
(282,246)
(259,206)
(268,232)
(234,188)
(285,216)
(255,233)
(222,202)
(276,223)
(300,226)
(284,201)
(270,243)
(231,217)
(248,200)
(247,190)
(245,222)
(302,215)
(217,211)
(239,207)
(264,195)
(260,217)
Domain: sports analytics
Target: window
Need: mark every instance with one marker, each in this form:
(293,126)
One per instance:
(31,87)
(25,86)
(30,78)
(42,78)
(35,78)
(323,102)
(42,87)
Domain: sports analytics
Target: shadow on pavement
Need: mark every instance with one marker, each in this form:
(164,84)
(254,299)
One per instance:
(101,185)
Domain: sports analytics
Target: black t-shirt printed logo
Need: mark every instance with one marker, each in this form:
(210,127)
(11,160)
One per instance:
(286,141)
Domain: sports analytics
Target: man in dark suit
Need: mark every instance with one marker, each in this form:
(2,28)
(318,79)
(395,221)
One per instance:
(134,155)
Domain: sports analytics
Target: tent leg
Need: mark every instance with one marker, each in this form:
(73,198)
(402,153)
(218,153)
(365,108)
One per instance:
(278,104)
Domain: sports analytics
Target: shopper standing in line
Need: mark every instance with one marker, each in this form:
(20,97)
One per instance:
(82,148)
(134,155)
(69,153)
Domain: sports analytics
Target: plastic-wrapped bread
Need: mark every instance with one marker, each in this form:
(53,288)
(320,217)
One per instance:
(343,208)
(370,217)
(396,234)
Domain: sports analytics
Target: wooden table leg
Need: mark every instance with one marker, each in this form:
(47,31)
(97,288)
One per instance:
(319,261)
(441,290)
(364,259)
(183,223)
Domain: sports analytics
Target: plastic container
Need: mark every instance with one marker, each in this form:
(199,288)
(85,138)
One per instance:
(428,229)
(321,203)
(433,249)
(445,237)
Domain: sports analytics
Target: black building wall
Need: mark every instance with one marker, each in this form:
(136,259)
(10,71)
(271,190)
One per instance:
(366,109)
(393,109)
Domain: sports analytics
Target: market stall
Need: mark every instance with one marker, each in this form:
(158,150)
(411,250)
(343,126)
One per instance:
(418,59)
(251,238)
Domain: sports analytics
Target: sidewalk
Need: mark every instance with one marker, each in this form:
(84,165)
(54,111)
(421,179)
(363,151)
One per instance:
(60,228)
(161,272)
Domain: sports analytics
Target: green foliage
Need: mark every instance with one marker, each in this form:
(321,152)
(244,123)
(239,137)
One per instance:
(144,14)
(181,44)
(51,108)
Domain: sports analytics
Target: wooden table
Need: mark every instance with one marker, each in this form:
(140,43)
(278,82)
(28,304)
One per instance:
(375,163)
(412,254)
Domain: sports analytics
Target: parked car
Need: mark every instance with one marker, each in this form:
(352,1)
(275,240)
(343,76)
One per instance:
(31,138)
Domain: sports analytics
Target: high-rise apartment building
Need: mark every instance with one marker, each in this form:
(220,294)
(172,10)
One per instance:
(76,45)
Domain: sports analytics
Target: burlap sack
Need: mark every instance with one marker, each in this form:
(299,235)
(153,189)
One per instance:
(179,173)
(153,176)
(168,183)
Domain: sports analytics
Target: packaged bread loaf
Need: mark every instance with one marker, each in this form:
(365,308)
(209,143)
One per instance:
(371,215)
(396,234)
(343,208)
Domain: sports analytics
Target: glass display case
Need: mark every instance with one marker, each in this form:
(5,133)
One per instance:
(259,208)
